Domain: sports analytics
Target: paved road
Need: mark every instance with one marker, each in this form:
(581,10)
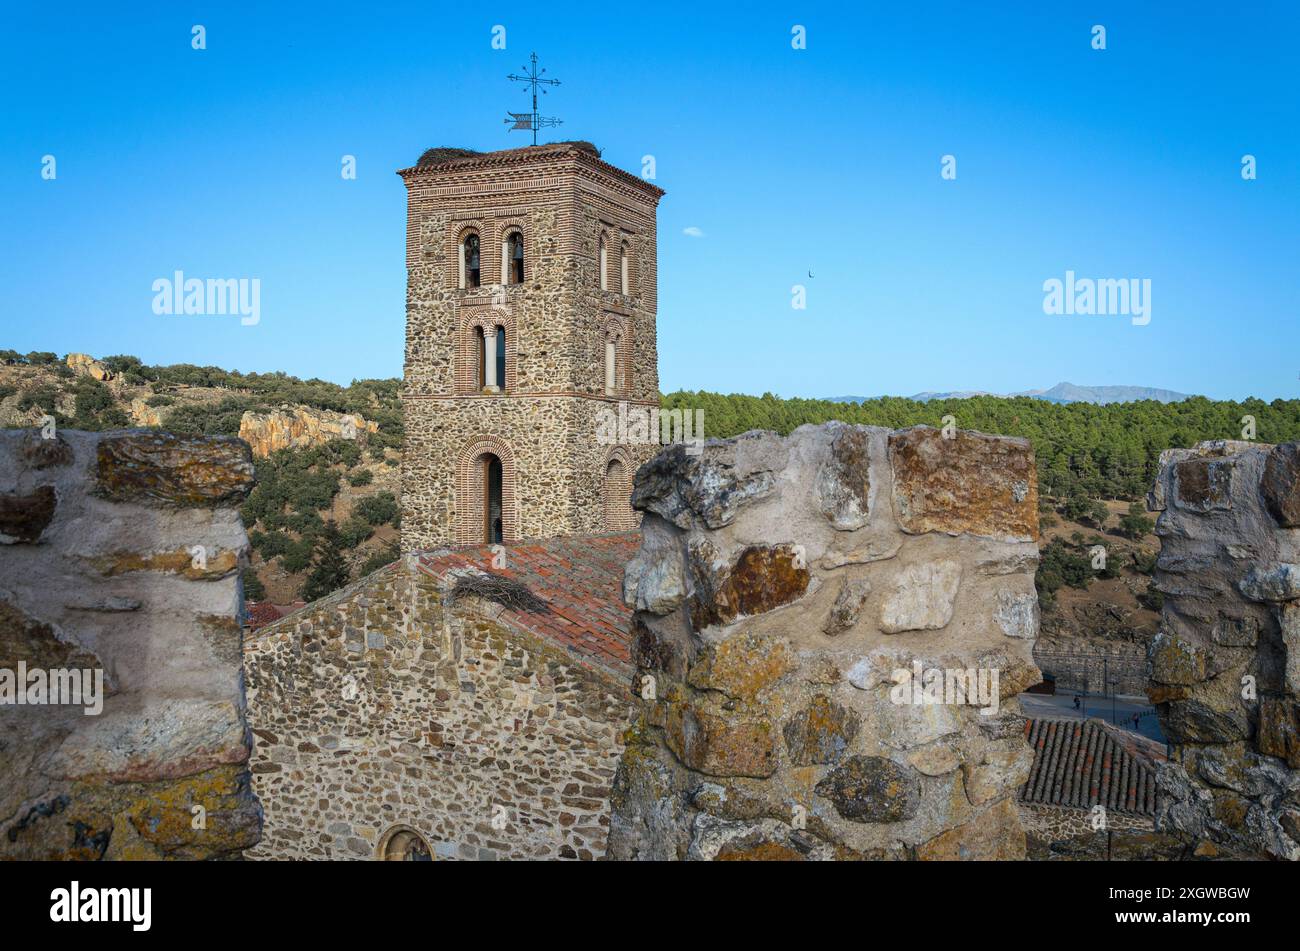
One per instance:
(1062,706)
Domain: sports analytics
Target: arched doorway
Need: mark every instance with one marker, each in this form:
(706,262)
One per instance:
(404,844)
(486,493)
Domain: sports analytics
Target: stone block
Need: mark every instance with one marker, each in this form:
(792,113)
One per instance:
(970,484)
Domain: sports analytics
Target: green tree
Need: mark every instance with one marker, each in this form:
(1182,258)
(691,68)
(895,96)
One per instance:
(378,508)
(254,590)
(1136,524)
(329,567)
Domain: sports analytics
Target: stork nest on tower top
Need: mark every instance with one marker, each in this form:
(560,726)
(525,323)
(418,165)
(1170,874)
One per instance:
(441,154)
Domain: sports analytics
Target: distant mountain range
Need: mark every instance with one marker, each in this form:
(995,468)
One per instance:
(1061,393)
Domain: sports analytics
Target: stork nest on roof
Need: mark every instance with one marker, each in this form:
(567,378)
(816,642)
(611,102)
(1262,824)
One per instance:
(507,592)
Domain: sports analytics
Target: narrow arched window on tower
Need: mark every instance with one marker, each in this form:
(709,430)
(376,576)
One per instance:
(501,357)
(515,258)
(623,270)
(611,364)
(469,261)
(604,264)
(481,363)
(492,527)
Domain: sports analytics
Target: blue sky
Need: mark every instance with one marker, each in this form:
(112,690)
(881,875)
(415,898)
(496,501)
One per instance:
(1122,163)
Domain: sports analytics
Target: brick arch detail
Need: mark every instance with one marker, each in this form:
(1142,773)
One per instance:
(503,229)
(469,490)
(604,238)
(616,491)
(472,323)
(451,251)
(625,246)
(616,324)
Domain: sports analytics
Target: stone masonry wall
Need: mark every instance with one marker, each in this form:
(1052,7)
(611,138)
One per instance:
(782,586)
(559,465)
(119,554)
(380,710)
(1225,664)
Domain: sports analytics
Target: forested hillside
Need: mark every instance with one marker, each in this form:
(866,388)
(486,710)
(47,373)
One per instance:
(1083,450)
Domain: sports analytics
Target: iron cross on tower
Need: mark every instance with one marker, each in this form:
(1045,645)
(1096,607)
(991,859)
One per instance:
(531,120)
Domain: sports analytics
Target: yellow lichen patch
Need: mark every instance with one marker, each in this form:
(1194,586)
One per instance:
(166,815)
(743,666)
(196,566)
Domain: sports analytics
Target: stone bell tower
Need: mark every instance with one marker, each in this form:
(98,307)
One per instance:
(530,317)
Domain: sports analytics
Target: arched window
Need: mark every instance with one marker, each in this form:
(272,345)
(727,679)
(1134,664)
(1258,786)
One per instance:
(493,533)
(501,357)
(491,359)
(604,264)
(403,844)
(513,254)
(481,376)
(624,281)
(470,274)
(611,363)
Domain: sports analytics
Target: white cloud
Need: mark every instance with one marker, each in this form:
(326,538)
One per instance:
(693,232)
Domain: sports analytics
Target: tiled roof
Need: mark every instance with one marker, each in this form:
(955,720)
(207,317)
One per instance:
(1082,763)
(581,581)
(261,614)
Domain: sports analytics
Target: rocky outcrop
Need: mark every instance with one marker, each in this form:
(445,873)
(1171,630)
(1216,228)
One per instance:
(142,414)
(86,365)
(119,631)
(299,427)
(1224,668)
(830,633)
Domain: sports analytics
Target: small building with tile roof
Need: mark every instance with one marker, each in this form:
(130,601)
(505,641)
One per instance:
(1088,777)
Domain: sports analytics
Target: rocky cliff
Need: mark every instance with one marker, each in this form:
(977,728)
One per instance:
(1225,665)
(831,631)
(122,721)
(299,427)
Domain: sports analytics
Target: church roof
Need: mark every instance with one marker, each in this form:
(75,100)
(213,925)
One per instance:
(568,591)
(1082,763)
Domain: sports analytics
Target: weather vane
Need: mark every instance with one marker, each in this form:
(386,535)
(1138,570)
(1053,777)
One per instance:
(531,120)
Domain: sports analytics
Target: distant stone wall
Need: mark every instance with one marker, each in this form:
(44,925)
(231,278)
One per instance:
(1098,673)
(782,585)
(1225,665)
(382,717)
(119,555)
(1059,822)
(1054,833)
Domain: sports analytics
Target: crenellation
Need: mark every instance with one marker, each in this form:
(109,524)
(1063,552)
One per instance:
(798,601)
(119,560)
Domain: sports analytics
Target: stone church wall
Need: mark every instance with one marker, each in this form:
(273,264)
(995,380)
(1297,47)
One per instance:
(381,709)
(788,592)
(1225,664)
(119,555)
